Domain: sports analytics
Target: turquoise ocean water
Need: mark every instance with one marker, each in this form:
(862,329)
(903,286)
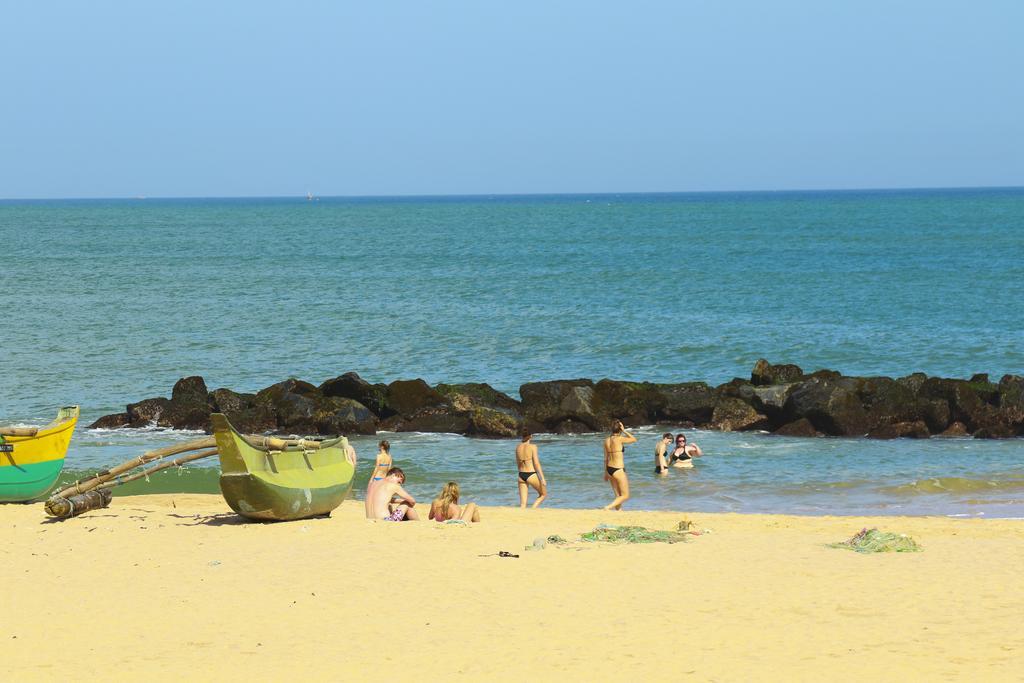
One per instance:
(110,301)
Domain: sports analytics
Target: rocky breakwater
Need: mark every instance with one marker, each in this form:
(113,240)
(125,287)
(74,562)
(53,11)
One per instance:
(781,399)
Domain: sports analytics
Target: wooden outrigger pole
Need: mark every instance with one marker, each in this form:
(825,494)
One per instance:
(73,500)
(166,464)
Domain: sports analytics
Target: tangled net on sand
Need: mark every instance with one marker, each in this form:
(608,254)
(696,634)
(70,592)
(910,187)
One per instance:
(875,541)
(608,533)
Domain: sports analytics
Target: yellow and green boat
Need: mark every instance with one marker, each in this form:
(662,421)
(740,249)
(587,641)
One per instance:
(278,480)
(31,458)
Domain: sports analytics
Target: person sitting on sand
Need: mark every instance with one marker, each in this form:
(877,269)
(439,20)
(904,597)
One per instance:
(446,506)
(615,464)
(381,504)
(530,472)
(660,466)
(683,454)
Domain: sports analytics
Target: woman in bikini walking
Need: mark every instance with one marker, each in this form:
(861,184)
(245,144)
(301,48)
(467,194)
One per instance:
(530,472)
(615,464)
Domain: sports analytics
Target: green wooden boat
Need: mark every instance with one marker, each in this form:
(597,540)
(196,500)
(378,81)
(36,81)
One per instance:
(31,458)
(277,480)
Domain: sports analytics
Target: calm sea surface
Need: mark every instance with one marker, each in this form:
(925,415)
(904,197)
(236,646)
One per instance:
(112,301)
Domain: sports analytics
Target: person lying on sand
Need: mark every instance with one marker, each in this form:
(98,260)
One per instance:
(660,467)
(615,464)
(683,454)
(380,503)
(530,472)
(446,506)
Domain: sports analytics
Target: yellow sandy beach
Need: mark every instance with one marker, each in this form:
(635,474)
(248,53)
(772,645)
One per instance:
(175,587)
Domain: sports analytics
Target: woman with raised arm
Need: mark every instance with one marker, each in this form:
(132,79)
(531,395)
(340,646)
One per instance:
(615,464)
(683,454)
(530,472)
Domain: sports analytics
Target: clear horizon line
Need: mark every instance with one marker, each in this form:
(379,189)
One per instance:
(525,194)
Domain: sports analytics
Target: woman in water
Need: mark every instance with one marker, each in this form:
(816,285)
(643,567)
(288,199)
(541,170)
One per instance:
(660,465)
(683,454)
(384,462)
(446,506)
(530,472)
(615,464)
(381,466)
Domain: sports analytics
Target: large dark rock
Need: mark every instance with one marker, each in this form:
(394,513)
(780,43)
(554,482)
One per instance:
(351,385)
(431,419)
(956,429)
(243,411)
(935,413)
(494,423)
(734,415)
(901,430)
(489,411)
(635,403)
(409,397)
(115,421)
(687,403)
(551,403)
(147,412)
(913,382)
(479,395)
(189,407)
(887,401)
(801,427)
(996,430)
(831,404)
(766,373)
(965,403)
(336,415)
(985,389)
(294,404)
(572,427)
(768,400)
(1011,402)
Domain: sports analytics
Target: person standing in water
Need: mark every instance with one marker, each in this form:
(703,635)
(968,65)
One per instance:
(530,472)
(381,465)
(615,464)
(683,454)
(660,465)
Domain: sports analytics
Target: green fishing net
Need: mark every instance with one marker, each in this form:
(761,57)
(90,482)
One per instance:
(875,541)
(607,533)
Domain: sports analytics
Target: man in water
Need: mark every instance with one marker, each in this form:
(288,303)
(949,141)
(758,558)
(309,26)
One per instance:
(379,499)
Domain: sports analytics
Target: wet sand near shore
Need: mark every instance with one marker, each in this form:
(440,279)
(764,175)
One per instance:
(176,586)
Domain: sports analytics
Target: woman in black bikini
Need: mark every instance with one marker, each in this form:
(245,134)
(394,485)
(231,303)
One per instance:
(615,464)
(682,455)
(530,472)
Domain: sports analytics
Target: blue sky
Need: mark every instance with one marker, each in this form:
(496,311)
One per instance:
(113,99)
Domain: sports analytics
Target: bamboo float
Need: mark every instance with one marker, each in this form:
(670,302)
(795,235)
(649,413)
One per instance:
(73,506)
(177,462)
(19,431)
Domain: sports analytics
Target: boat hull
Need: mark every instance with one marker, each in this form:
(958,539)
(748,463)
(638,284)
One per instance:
(289,484)
(30,465)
